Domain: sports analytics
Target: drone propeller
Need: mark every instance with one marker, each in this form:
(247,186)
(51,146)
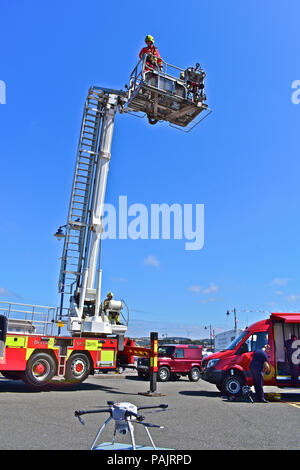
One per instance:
(78,413)
(154,411)
(149,425)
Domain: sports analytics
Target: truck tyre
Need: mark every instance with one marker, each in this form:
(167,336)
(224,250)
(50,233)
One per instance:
(78,368)
(163,374)
(194,374)
(40,369)
(233,384)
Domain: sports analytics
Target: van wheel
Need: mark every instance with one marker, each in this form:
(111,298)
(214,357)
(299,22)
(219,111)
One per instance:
(163,374)
(233,384)
(194,374)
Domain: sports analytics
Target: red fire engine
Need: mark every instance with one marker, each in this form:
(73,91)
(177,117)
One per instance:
(90,334)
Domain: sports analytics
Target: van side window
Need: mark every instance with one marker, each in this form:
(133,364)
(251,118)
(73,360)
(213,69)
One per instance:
(179,353)
(257,341)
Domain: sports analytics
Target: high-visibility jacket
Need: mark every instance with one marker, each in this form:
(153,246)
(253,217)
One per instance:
(151,61)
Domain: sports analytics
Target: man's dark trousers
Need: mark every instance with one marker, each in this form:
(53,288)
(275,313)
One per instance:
(258,382)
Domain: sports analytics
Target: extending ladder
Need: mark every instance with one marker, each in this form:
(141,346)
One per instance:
(76,228)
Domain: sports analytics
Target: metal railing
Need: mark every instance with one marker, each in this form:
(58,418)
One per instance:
(29,319)
(138,76)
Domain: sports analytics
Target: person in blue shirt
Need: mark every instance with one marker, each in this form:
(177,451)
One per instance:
(258,366)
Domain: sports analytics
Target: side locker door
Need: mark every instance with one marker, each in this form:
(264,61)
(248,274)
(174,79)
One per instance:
(3,331)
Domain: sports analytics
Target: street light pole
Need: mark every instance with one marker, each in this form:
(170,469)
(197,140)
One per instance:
(235,320)
(209,334)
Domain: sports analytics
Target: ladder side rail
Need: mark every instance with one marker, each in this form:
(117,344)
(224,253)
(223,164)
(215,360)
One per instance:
(92,176)
(63,260)
(97,201)
(99,189)
(87,234)
(82,183)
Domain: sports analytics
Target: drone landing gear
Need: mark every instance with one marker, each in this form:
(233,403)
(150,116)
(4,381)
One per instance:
(124,415)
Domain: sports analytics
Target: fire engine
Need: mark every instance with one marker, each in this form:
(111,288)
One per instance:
(38,343)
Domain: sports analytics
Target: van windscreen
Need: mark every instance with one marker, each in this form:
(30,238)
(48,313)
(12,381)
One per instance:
(165,351)
(236,340)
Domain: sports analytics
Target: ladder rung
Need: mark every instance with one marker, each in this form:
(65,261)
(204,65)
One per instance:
(90,127)
(80,202)
(88,151)
(88,132)
(84,163)
(93,109)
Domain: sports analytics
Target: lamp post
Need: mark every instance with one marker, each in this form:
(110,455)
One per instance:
(235,320)
(210,336)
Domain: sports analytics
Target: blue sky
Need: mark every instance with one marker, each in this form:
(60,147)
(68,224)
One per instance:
(242,162)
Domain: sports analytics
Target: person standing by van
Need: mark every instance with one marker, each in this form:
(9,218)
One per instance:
(289,350)
(258,366)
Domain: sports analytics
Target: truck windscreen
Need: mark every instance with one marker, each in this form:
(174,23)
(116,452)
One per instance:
(237,340)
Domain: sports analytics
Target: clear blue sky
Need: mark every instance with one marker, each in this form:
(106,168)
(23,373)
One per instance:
(242,162)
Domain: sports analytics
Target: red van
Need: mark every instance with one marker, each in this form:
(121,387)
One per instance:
(229,369)
(174,360)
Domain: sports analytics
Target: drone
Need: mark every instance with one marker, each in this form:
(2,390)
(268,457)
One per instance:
(125,415)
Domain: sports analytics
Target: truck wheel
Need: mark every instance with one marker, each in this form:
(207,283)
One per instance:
(233,384)
(163,374)
(194,374)
(40,369)
(78,368)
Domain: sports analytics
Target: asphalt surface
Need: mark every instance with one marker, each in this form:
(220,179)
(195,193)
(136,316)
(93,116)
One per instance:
(198,417)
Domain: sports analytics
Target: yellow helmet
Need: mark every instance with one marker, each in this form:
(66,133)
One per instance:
(110,294)
(149,38)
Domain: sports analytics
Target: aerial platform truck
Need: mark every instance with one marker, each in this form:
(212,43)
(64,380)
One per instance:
(34,346)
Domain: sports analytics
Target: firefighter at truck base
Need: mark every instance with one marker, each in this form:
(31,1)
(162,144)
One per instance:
(153,56)
(113,317)
(258,366)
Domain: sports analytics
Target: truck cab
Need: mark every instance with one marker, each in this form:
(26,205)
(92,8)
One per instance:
(174,360)
(229,369)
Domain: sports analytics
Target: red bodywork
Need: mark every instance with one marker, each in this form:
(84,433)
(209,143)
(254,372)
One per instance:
(103,352)
(236,361)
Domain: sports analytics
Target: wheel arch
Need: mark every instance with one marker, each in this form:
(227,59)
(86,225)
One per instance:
(50,352)
(236,370)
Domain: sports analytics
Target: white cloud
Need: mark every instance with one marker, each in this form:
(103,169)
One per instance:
(8,293)
(292,298)
(280,281)
(204,290)
(195,288)
(151,261)
(212,288)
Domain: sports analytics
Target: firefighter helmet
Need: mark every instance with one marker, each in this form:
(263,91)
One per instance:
(149,38)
